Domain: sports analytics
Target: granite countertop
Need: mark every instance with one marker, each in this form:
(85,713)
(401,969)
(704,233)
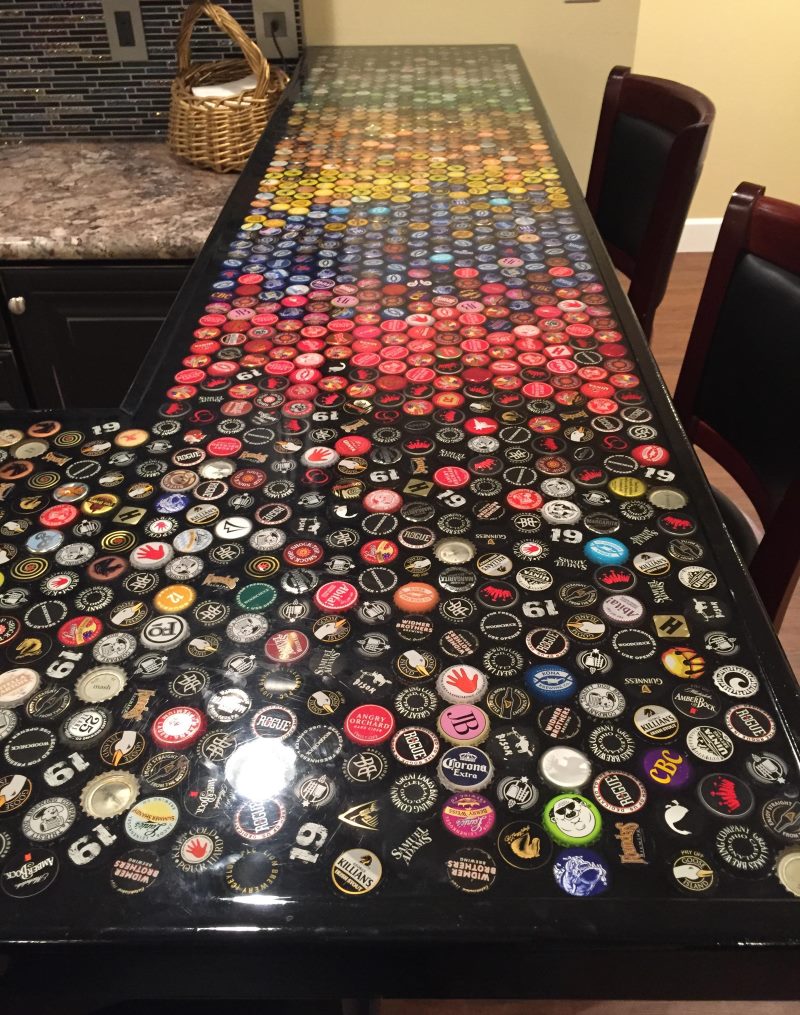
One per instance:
(104,200)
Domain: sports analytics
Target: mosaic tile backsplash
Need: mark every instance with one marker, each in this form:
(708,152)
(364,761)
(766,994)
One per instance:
(57,77)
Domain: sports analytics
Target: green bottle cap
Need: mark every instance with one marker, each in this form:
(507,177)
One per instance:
(572,820)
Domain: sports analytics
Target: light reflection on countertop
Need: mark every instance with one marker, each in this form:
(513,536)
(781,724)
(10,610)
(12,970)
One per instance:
(260,769)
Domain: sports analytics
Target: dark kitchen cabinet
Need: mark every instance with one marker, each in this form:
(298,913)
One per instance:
(81,330)
(12,393)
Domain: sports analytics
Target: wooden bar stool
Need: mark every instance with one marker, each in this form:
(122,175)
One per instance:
(739,386)
(648,153)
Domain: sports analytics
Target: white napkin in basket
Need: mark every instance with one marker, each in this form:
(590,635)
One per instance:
(226,89)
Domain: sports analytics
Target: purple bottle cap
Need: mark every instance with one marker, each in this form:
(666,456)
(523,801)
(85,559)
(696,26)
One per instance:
(667,768)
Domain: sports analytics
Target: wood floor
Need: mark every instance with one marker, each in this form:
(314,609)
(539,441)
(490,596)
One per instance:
(673,323)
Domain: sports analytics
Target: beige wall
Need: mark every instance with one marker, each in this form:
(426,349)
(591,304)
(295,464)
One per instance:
(746,57)
(569,48)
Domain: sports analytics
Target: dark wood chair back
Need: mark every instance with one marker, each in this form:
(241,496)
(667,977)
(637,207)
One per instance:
(649,150)
(739,386)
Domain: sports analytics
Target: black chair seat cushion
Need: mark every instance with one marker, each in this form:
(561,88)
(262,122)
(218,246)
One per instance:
(739,527)
(740,387)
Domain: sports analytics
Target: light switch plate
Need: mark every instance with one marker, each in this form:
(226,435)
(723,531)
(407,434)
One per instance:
(126,41)
(287,34)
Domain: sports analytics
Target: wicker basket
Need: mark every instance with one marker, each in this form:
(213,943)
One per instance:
(220,133)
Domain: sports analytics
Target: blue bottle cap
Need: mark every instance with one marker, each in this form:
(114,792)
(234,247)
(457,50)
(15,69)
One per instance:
(550,683)
(605,550)
(581,872)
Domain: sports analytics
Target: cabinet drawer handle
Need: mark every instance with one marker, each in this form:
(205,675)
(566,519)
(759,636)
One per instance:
(17,305)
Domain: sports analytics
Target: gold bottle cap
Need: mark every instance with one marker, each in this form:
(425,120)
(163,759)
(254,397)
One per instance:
(109,794)
(787,867)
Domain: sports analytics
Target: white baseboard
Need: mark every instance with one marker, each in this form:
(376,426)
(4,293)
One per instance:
(699,235)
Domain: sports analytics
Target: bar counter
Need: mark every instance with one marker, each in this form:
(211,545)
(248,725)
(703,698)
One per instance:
(387,640)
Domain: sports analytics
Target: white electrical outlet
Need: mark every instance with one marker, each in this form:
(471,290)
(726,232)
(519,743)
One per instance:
(283,13)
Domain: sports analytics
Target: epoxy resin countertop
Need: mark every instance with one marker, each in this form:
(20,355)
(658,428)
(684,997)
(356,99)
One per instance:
(104,200)
(387,637)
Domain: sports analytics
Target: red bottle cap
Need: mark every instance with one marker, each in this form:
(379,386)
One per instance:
(336,597)
(286,646)
(650,454)
(524,500)
(383,501)
(178,727)
(78,631)
(224,447)
(451,476)
(369,724)
(378,551)
(57,516)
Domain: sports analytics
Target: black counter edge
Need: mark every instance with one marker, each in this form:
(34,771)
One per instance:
(426,969)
